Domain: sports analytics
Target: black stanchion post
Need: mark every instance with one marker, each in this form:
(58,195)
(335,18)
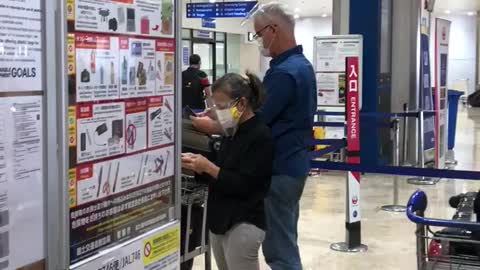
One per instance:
(395,207)
(405,136)
(353,241)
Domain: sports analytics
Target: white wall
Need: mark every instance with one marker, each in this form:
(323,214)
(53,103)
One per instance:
(308,28)
(463,49)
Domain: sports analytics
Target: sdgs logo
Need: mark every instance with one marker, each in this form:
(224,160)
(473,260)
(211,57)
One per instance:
(20,73)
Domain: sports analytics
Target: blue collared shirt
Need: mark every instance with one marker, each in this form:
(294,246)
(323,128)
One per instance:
(289,110)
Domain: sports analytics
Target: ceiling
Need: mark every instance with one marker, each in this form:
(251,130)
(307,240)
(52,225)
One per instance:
(457,6)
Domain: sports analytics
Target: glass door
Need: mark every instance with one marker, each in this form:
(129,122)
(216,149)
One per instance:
(205,51)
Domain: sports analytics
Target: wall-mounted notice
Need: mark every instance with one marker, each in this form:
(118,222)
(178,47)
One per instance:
(157,250)
(140,17)
(442,45)
(136,125)
(160,121)
(21,173)
(100,131)
(97,222)
(138,69)
(20,45)
(104,179)
(96,67)
(330,55)
(165,66)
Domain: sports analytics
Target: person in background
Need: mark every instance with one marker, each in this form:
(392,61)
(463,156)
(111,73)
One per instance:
(194,84)
(240,178)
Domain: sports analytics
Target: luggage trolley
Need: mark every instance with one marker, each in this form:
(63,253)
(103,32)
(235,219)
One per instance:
(194,193)
(452,248)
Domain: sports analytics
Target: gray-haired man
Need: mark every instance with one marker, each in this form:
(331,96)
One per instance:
(289,111)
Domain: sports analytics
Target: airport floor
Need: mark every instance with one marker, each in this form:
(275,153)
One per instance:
(389,236)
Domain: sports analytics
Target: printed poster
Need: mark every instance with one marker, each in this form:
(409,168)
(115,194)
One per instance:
(22,231)
(152,18)
(100,131)
(331,88)
(136,125)
(96,67)
(427,99)
(165,50)
(21,45)
(330,67)
(442,45)
(100,224)
(161,121)
(159,250)
(138,67)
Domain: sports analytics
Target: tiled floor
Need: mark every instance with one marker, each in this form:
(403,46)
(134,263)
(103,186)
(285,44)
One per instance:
(390,237)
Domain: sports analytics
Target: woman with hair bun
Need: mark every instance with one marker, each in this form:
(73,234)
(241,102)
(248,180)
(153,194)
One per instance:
(240,178)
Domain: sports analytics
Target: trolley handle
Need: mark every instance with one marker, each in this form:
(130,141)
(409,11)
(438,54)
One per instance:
(417,204)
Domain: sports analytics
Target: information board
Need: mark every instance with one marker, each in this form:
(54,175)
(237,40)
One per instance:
(330,53)
(22,214)
(121,132)
(220,9)
(159,249)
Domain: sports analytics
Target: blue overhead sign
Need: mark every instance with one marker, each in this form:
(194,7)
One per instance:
(209,23)
(220,10)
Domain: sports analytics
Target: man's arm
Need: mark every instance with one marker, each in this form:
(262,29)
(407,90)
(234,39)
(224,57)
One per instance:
(280,91)
(206,125)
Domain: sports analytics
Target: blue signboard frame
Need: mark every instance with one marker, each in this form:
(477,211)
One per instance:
(426,94)
(220,10)
(209,23)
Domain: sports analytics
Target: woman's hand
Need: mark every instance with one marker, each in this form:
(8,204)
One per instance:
(199,164)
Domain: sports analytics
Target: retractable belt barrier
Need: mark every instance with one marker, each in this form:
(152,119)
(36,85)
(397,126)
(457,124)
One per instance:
(378,115)
(401,171)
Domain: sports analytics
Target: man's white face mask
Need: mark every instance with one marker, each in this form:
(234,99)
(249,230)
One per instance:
(263,51)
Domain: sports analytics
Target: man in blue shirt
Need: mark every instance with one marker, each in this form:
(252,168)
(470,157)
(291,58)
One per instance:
(288,110)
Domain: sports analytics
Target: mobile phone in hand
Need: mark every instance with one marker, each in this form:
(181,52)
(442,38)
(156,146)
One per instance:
(188,112)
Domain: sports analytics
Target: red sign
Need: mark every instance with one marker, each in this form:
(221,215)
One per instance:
(352,112)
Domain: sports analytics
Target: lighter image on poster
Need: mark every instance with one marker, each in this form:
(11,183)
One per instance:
(97,67)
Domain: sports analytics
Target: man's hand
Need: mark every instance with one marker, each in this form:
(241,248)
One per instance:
(199,164)
(206,125)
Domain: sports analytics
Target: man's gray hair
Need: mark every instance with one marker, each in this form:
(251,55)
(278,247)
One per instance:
(277,10)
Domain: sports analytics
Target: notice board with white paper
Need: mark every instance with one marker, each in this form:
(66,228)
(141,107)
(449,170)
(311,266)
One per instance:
(22,200)
(122,146)
(330,53)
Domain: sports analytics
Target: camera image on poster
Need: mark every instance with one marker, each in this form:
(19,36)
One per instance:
(140,18)
(96,67)
(161,121)
(100,131)
(137,67)
(165,51)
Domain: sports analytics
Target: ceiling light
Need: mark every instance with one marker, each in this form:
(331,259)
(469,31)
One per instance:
(297,10)
(212,1)
(472,13)
(447,11)
(324,15)
(296,16)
